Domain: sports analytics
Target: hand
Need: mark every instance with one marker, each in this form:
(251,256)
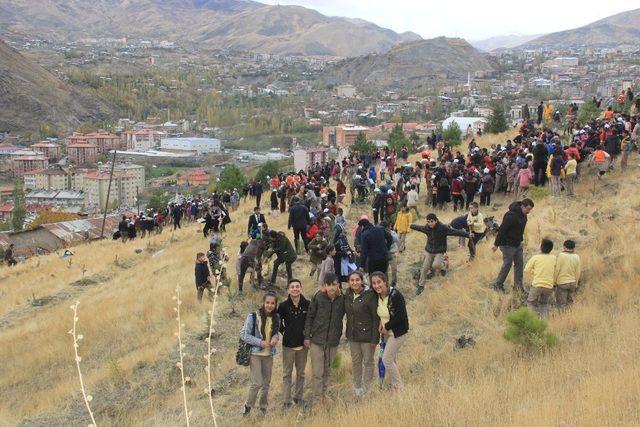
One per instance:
(373,345)
(274,341)
(264,344)
(494,248)
(307,343)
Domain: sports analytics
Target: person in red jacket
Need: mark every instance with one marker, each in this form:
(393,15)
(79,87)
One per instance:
(457,186)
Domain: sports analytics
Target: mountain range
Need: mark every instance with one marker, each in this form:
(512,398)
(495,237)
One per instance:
(411,64)
(31,96)
(614,31)
(239,24)
(507,41)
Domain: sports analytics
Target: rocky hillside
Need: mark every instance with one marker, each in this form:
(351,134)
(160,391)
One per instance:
(30,96)
(237,24)
(411,64)
(618,30)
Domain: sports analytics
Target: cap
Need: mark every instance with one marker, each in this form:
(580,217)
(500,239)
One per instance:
(376,190)
(486,170)
(364,217)
(389,191)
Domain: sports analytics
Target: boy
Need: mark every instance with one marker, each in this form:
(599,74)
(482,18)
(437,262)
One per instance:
(567,274)
(203,276)
(322,332)
(477,228)
(542,268)
(404,218)
(293,314)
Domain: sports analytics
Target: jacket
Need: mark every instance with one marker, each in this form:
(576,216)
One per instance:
(488,183)
(298,217)
(376,242)
(292,320)
(323,325)
(250,332)
(327,266)
(283,248)
(511,231)
(362,316)
(437,236)
(202,273)
(398,318)
(317,249)
(403,221)
(253,222)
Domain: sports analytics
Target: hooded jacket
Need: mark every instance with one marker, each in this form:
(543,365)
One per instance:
(376,242)
(511,231)
(437,236)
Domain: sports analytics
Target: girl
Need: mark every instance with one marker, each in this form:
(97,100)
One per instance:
(327,265)
(260,330)
(394,324)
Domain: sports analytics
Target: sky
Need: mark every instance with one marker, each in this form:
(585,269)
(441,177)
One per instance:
(469,19)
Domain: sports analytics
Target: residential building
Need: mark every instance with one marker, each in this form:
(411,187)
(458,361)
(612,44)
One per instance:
(104,141)
(346,91)
(342,135)
(194,178)
(304,158)
(71,200)
(6,212)
(192,145)
(82,153)
(143,139)
(48,149)
(23,164)
(477,123)
(137,172)
(123,190)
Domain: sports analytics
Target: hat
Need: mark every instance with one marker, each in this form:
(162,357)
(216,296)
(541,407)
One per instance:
(456,161)
(486,170)
(607,126)
(376,190)
(364,217)
(389,191)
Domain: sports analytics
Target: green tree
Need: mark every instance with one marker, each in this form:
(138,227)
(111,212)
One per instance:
(452,135)
(528,331)
(361,145)
(158,199)
(269,169)
(415,139)
(397,138)
(588,112)
(19,209)
(231,177)
(497,120)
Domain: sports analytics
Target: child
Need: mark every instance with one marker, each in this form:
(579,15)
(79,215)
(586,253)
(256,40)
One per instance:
(327,265)
(523,181)
(567,274)
(542,268)
(322,332)
(403,221)
(317,252)
(477,228)
(203,276)
(601,159)
(512,175)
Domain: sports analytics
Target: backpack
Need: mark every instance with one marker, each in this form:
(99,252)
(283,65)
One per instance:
(444,182)
(243,355)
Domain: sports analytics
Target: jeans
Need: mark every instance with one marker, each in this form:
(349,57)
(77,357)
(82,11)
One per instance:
(511,255)
(297,234)
(291,357)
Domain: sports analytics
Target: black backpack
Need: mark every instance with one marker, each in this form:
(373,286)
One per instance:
(243,355)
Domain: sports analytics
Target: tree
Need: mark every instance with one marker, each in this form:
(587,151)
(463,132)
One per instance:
(361,145)
(158,199)
(588,112)
(497,120)
(397,138)
(452,135)
(269,169)
(19,209)
(49,217)
(415,139)
(231,177)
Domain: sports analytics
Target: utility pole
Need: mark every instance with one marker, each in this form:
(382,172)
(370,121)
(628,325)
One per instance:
(106,205)
(138,201)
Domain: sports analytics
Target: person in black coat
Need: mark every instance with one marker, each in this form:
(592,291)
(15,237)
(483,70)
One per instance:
(540,157)
(375,244)
(203,276)
(208,224)
(299,220)
(257,191)
(509,241)
(293,315)
(254,220)
(394,324)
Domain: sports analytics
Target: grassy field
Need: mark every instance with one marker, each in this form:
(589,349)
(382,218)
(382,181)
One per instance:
(129,351)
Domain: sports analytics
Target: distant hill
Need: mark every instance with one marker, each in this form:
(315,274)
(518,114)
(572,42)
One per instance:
(30,96)
(411,64)
(237,24)
(613,31)
(502,42)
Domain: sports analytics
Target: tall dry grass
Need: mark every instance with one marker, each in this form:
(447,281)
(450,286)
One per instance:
(592,377)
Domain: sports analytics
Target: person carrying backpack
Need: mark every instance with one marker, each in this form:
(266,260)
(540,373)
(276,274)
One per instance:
(260,330)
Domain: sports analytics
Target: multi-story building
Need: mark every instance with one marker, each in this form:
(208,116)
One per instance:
(142,140)
(191,145)
(136,171)
(82,153)
(62,198)
(23,164)
(48,149)
(105,141)
(342,135)
(123,190)
(304,158)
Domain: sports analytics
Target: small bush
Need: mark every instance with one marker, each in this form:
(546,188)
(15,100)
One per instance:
(527,331)
(540,192)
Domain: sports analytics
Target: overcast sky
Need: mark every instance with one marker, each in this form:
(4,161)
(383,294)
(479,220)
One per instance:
(471,19)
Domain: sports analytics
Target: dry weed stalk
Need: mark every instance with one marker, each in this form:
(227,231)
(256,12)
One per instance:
(181,346)
(218,274)
(76,339)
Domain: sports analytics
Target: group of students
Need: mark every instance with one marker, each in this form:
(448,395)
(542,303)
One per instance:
(375,315)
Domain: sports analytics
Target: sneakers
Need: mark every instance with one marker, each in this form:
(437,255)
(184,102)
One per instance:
(245,411)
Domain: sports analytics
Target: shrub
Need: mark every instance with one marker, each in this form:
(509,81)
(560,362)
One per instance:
(539,192)
(497,121)
(452,134)
(528,331)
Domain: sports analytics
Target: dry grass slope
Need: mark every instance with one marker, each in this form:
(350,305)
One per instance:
(129,351)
